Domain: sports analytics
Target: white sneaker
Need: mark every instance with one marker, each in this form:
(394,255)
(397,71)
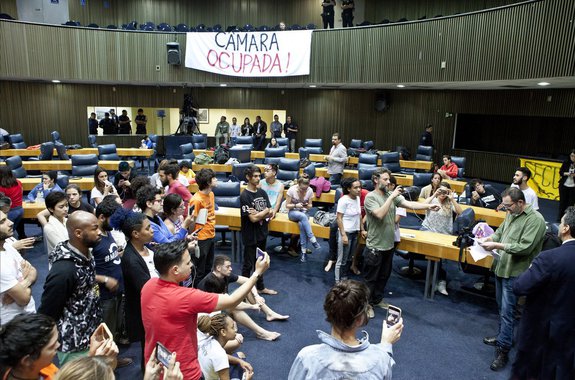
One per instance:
(441,287)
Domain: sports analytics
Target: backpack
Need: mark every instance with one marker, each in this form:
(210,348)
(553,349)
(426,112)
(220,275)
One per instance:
(202,159)
(221,154)
(324,218)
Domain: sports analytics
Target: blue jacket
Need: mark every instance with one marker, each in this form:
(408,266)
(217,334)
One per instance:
(32,194)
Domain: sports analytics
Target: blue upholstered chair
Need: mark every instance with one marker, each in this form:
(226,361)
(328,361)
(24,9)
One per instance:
(245,140)
(424,153)
(275,152)
(365,175)
(367,159)
(187,151)
(288,169)
(108,152)
(84,165)
(92,141)
(17,141)
(242,154)
(238,171)
(56,137)
(46,152)
(15,164)
(422,179)
(200,141)
(460,162)
(390,160)
(283,141)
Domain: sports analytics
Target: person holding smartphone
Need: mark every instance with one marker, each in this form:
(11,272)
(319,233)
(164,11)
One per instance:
(347,307)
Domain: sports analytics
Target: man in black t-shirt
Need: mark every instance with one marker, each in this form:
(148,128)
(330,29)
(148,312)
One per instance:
(141,121)
(291,130)
(124,124)
(255,213)
(92,124)
(482,196)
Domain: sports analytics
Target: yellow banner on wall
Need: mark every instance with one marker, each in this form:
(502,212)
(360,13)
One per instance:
(544,177)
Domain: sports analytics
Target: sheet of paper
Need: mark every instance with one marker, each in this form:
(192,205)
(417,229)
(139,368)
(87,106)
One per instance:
(478,253)
(202,217)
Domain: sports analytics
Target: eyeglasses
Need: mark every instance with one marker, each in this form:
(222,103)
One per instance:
(505,207)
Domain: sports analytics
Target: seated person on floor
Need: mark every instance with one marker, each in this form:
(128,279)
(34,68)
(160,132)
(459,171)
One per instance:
(122,180)
(218,280)
(102,186)
(53,220)
(214,332)
(75,201)
(482,196)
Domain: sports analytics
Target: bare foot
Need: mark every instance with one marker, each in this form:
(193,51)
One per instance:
(268,335)
(354,269)
(328,266)
(269,292)
(276,317)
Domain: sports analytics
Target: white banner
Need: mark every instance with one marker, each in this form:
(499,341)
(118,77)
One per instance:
(253,54)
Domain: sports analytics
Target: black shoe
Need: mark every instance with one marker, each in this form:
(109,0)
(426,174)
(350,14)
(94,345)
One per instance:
(490,340)
(501,359)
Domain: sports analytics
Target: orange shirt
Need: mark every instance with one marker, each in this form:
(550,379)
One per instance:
(200,201)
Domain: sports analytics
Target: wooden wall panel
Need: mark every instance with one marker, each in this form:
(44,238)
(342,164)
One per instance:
(9,7)
(35,109)
(223,12)
(378,10)
(532,40)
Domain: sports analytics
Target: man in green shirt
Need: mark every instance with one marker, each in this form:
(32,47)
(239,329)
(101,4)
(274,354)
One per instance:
(518,240)
(380,212)
(222,130)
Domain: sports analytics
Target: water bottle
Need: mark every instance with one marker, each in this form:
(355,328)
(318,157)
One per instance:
(40,195)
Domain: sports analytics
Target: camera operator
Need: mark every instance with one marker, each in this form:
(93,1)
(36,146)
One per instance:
(442,222)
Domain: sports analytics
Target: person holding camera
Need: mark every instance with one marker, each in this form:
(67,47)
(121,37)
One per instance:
(380,209)
(442,222)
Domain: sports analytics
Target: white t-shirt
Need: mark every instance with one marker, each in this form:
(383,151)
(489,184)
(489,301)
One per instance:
(530,197)
(150,263)
(351,210)
(10,275)
(211,355)
(54,233)
(272,190)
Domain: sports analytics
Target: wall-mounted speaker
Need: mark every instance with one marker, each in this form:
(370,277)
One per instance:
(173,53)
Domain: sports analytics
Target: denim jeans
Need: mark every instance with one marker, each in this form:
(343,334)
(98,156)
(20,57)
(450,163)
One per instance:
(343,254)
(292,145)
(335,179)
(305,233)
(506,301)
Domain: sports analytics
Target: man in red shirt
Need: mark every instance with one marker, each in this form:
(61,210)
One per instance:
(449,169)
(169,177)
(170,312)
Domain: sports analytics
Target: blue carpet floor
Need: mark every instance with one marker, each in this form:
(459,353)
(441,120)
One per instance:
(442,338)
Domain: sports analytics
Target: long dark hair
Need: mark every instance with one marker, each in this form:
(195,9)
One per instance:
(97,183)
(7,178)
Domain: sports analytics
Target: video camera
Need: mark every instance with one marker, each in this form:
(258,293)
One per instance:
(464,239)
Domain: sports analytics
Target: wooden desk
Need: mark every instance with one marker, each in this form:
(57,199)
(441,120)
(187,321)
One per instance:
(122,152)
(417,165)
(45,166)
(85,183)
(491,217)
(254,154)
(325,197)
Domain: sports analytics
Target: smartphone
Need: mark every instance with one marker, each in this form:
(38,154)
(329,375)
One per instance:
(195,233)
(260,253)
(105,332)
(191,209)
(163,355)
(38,238)
(393,315)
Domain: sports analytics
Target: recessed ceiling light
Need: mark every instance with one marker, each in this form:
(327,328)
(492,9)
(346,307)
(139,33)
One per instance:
(312,86)
(543,84)
(401,85)
(223,85)
(55,81)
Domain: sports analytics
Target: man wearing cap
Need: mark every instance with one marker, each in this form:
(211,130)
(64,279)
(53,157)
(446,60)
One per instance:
(122,180)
